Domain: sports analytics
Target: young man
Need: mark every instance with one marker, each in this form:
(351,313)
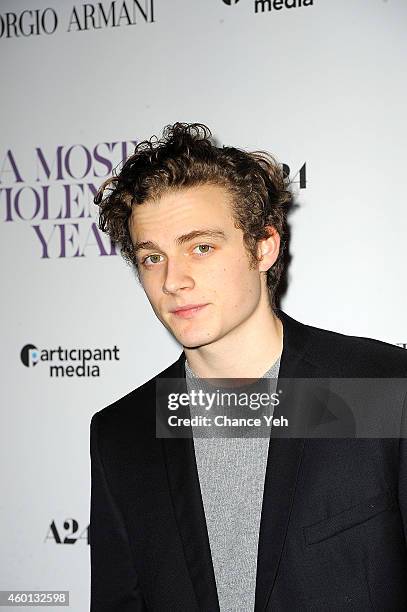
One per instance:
(235,524)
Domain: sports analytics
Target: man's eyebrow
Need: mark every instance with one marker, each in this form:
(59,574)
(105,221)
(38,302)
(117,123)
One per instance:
(184,238)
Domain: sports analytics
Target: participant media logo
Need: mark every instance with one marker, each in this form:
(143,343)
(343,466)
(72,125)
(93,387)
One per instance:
(262,6)
(268,6)
(69,362)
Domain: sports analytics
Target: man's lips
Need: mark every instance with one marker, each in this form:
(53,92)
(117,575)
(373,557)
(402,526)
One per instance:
(188,310)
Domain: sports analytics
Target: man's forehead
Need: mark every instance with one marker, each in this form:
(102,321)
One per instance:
(182,211)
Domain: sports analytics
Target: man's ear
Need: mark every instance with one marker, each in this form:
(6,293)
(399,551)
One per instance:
(268,249)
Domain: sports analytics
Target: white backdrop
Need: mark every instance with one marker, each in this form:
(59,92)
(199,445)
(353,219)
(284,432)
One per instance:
(321,85)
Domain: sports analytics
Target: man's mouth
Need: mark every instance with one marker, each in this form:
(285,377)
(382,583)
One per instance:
(188,311)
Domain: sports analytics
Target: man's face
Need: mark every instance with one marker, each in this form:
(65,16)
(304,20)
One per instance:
(190,254)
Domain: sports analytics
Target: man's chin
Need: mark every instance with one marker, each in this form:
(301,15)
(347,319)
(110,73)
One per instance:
(189,341)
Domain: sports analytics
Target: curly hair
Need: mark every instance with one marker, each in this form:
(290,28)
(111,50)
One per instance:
(186,156)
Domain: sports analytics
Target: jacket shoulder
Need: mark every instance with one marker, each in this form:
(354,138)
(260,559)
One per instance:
(137,406)
(357,355)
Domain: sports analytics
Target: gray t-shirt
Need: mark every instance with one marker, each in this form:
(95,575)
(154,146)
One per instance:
(231,475)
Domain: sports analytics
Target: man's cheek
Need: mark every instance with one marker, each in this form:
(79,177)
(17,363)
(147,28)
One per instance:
(152,298)
(149,284)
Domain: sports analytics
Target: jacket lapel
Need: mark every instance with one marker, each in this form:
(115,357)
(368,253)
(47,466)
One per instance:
(186,497)
(283,464)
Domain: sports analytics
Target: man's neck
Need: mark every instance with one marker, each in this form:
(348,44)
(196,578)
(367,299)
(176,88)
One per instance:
(246,352)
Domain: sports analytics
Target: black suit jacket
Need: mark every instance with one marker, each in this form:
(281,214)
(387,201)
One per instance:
(333,524)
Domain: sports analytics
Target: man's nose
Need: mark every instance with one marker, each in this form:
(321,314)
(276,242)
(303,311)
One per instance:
(177,276)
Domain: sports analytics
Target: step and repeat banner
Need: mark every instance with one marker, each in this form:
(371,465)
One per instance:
(318,83)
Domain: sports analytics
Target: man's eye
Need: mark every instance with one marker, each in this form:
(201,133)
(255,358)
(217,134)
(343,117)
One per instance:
(202,249)
(152,259)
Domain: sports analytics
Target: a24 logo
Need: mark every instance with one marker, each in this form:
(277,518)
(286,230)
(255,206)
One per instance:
(69,533)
